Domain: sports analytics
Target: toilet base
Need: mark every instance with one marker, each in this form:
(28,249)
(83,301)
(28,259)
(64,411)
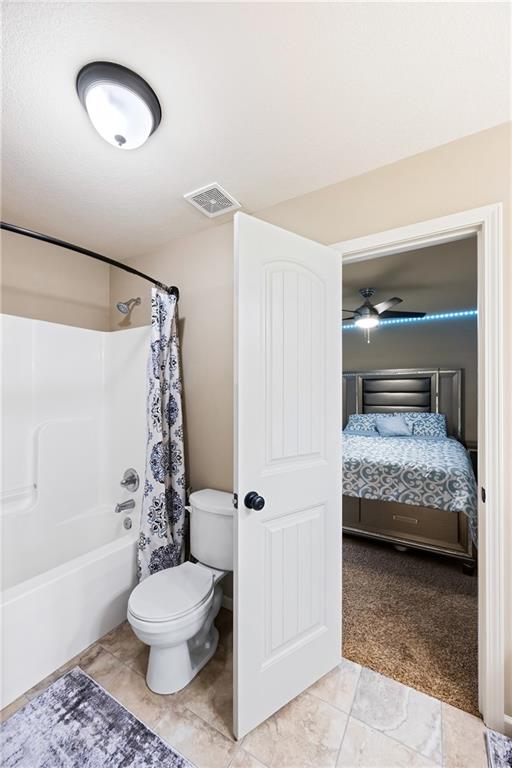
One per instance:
(172,668)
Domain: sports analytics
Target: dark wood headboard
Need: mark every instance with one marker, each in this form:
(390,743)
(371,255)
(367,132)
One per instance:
(433,390)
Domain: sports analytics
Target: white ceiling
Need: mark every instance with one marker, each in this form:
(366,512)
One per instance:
(270,100)
(441,278)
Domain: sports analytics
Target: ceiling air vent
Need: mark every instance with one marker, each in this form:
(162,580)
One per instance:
(212,200)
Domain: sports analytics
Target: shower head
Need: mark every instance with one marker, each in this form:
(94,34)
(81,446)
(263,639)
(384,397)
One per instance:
(126,306)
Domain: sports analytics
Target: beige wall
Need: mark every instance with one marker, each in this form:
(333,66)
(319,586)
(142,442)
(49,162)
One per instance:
(464,174)
(450,344)
(44,282)
(458,176)
(202,267)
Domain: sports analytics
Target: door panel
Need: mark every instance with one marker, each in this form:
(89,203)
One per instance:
(288,449)
(294,352)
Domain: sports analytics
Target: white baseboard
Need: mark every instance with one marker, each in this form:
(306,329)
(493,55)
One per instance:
(227,602)
(508,725)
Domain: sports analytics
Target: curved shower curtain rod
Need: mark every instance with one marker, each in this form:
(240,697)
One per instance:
(86,252)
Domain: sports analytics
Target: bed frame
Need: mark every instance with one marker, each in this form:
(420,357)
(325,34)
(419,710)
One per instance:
(405,525)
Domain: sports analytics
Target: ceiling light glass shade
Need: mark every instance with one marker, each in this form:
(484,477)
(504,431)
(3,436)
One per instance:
(367,322)
(119,115)
(121,105)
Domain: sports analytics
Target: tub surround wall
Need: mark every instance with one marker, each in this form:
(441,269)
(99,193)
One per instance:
(53,458)
(125,355)
(74,420)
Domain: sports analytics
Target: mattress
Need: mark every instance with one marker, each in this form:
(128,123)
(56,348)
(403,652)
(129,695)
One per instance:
(431,472)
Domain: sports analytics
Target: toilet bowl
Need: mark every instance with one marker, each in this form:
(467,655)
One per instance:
(173,611)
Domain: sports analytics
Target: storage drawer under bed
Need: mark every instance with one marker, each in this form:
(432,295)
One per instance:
(415,522)
(405,523)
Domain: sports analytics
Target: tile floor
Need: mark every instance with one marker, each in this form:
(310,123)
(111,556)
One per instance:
(352,718)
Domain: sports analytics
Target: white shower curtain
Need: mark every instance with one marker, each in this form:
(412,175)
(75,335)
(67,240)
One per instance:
(162,525)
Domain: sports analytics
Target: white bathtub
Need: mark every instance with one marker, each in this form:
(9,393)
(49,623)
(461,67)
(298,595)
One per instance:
(49,618)
(73,421)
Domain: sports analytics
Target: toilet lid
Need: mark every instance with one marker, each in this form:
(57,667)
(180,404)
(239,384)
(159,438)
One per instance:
(171,593)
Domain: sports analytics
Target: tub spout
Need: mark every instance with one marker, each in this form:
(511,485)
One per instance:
(125,506)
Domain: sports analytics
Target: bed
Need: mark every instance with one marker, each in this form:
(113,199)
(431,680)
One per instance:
(413,491)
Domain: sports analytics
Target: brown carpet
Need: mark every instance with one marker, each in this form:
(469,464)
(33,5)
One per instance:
(412,617)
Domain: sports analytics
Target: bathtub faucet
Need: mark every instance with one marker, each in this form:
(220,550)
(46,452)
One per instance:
(125,506)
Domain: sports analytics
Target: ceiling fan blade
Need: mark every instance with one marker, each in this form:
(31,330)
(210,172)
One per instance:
(398,313)
(385,305)
(348,319)
(349,310)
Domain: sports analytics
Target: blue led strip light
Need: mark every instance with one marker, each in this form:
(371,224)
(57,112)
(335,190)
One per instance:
(404,320)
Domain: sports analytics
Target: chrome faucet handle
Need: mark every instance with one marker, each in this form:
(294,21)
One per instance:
(130,480)
(124,506)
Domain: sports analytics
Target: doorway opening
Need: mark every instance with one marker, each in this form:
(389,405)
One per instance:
(484,225)
(410,443)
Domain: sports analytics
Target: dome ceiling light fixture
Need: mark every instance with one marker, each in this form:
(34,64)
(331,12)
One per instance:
(123,108)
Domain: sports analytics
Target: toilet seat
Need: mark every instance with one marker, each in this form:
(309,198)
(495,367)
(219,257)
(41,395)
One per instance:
(172,593)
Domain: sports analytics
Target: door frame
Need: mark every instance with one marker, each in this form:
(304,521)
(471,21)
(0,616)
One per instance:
(486,224)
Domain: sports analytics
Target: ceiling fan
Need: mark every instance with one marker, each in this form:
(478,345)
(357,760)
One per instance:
(369,315)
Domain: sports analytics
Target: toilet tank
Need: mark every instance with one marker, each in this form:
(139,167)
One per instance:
(211,528)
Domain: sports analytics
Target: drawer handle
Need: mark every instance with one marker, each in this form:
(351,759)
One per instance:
(404,519)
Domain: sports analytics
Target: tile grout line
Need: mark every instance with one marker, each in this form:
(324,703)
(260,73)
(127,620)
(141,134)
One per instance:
(230,763)
(199,717)
(210,725)
(329,704)
(338,753)
(349,715)
(442,734)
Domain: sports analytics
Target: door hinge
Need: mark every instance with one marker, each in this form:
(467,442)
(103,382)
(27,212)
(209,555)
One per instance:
(483,494)
(235,500)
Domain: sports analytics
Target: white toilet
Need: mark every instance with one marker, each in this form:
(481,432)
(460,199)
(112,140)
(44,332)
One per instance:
(173,611)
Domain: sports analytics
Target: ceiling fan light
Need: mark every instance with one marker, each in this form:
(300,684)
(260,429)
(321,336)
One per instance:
(367,322)
(122,107)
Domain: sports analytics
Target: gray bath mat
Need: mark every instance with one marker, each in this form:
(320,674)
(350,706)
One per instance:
(76,724)
(499,750)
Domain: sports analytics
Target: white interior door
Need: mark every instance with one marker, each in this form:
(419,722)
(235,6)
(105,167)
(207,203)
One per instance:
(288,451)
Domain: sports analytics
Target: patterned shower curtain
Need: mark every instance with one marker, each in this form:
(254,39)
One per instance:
(163,506)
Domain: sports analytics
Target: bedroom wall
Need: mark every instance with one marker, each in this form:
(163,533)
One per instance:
(467,173)
(43,282)
(450,344)
(438,279)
